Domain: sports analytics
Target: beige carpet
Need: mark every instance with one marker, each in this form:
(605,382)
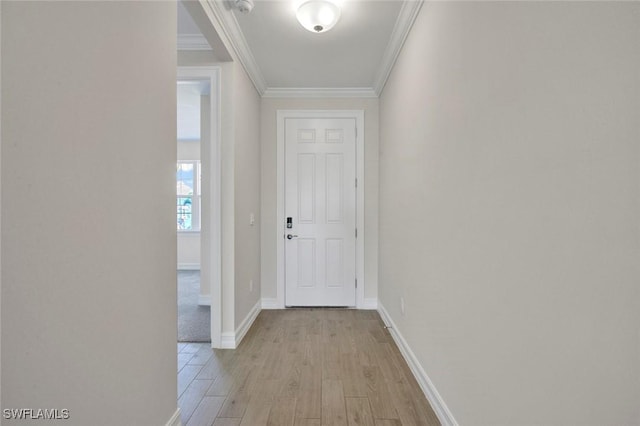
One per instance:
(194,321)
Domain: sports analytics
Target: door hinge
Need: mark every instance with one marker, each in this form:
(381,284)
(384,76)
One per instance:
(356,232)
(356,132)
(356,283)
(356,182)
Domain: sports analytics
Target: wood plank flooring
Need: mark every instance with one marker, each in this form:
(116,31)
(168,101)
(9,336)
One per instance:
(302,367)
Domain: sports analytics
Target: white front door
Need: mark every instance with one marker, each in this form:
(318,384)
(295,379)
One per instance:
(320,212)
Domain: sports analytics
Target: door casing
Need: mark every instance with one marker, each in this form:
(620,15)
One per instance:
(282,115)
(211,232)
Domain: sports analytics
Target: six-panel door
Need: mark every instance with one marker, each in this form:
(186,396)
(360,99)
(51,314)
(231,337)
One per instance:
(320,197)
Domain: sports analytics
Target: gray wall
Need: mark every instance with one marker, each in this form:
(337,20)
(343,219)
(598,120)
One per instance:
(0,207)
(240,158)
(247,193)
(88,218)
(510,201)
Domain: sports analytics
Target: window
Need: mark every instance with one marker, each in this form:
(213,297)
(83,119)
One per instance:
(188,179)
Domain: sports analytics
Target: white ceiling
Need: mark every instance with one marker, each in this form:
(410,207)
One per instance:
(186,24)
(348,55)
(189,35)
(283,59)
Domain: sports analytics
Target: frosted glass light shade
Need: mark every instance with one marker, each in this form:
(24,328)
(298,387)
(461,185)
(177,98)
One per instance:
(318,16)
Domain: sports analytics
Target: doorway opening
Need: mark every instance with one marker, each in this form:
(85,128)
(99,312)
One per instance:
(194,314)
(320,208)
(198,205)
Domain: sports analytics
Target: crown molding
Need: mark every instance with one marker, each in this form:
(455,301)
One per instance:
(235,38)
(405,20)
(320,92)
(233,34)
(192,42)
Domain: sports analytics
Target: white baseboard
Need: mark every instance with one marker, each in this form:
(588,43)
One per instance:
(175,419)
(228,340)
(232,340)
(204,300)
(245,325)
(370,304)
(188,266)
(429,390)
(270,304)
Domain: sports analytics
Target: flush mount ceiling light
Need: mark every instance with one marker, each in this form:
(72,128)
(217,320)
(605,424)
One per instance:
(244,6)
(318,16)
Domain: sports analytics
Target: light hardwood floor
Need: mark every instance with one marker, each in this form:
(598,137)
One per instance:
(302,367)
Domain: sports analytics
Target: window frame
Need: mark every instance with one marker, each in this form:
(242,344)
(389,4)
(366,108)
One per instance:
(196,198)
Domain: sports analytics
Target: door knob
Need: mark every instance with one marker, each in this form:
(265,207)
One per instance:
(290,237)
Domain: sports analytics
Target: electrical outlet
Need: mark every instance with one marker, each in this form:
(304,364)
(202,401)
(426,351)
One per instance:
(251,286)
(402,305)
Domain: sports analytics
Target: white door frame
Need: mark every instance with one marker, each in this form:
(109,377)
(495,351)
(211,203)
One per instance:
(213,163)
(358,115)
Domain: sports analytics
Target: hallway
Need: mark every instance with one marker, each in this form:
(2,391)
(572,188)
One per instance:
(302,367)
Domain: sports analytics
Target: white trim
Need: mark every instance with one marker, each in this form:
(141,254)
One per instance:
(270,303)
(193,42)
(188,232)
(246,324)
(370,304)
(188,266)
(234,35)
(320,92)
(403,25)
(204,300)
(358,115)
(215,226)
(427,386)
(360,190)
(175,419)
(228,340)
(232,340)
